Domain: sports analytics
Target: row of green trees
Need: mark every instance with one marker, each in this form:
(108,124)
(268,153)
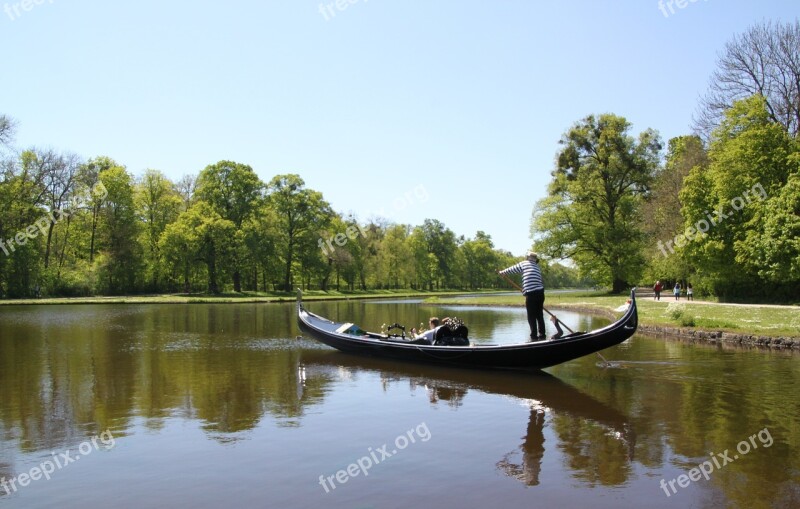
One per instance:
(721,210)
(224,230)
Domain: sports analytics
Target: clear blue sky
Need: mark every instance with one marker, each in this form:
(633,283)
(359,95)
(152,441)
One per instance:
(465,98)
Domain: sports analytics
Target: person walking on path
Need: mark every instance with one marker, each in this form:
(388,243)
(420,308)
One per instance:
(657,290)
(677,291)
(533,290)
(689,292)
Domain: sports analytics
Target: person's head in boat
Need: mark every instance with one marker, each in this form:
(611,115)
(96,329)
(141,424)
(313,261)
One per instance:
(532,257)
(433,322)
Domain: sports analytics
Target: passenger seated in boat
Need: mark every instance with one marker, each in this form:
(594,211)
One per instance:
(429,334)
(447,332)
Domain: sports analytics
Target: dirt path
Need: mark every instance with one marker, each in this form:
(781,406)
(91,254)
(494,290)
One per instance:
(666,299)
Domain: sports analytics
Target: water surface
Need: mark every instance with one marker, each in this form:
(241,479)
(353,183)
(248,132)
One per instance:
(214,406)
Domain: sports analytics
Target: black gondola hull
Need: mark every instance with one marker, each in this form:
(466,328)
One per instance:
(521,356)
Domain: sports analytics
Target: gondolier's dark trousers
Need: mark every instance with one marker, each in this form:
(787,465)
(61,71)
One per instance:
(534,304)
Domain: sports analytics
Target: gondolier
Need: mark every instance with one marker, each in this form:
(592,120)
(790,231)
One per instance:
(533,290)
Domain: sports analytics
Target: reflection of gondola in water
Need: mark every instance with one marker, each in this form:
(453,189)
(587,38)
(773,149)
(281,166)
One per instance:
(546,395)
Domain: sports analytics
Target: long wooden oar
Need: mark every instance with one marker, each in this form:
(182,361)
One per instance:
(515,285)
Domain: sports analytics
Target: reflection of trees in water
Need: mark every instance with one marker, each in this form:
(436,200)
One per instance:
(6,472)
(454,396)
(52,392)
(598,451)
(437,390)
(64,383)
(594,453)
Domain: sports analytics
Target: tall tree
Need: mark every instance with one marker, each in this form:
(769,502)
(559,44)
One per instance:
(301,213)
(395,257)
(234,191)
(337,260)
(440,242)
(118,229)
(362,244)
(481,261)
(178,247)
(428,244)
(199,234)
(60,179)
(89,177)
(764,60)
(186,188)
(772,250)
(260,239)
(663,221)
(7,129)
(752,159)
(158,204)
(22,197)
(592,213)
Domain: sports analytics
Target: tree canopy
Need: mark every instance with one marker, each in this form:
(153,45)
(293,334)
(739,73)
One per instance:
(224,230)
(765,61)
(592,212)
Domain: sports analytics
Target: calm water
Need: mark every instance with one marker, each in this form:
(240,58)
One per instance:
(219,406)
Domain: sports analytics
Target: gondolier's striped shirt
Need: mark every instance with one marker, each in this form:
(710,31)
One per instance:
(531,275)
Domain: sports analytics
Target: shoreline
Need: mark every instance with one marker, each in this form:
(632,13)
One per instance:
(232,299)
(698,334)
(718,337)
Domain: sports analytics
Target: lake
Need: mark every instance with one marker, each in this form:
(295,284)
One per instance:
(216,406)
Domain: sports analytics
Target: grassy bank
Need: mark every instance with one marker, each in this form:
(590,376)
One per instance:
(736,318)
(245,297)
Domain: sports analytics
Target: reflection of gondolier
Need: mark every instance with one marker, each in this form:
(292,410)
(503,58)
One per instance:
(533,290)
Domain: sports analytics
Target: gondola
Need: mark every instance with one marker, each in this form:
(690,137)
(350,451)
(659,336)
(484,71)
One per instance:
(529,356)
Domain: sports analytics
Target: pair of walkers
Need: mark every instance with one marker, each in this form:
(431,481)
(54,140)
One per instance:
(677,292)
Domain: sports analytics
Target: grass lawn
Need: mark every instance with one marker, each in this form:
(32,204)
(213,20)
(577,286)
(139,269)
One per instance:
(736,318)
